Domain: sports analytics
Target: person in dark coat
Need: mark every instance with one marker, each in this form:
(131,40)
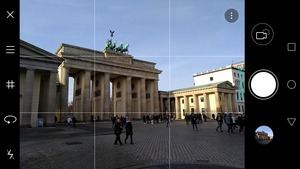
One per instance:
(74,121)
(194,121)
(213,116)
(204,117)
(219,120)
(129,131)
(229,122)
(118,131)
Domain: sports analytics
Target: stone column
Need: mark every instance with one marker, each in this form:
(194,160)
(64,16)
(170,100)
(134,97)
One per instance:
(64,81)
(206,100)
(128,95)
(106,93)
(151,92)
(28,96)
(155,97)
(51,98)
(143,94)
(177,107)
(186,104)
(217,101)
(138,89)
(86,97)
(224,105)
(196,103)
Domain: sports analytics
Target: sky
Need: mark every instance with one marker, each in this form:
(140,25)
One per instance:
(182,37)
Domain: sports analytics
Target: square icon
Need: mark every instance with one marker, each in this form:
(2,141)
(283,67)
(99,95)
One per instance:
(291,47)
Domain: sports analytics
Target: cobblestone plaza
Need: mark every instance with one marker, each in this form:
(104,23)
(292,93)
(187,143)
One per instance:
(90,145)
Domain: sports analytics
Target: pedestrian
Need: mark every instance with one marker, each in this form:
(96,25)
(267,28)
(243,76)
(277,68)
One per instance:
(129,131)
(55,121)
(113,120)
(219,120)
(168,119)
(69,121)
(228,121)
(204,117)
(118,131)
(241,123)
(213,116)
(74,121)
(187,119)
(194,121)
(144,119)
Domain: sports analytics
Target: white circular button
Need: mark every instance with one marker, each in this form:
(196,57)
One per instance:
(263,84)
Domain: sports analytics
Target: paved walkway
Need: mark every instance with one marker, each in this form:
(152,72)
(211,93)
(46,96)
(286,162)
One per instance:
(155,146)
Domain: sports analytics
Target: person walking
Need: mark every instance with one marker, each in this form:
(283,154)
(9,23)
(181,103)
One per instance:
(129,131)
(204,117)
(229,123)
(213,116)
(118,130)
(74,121)
(194,121)
(219,120)
(69,121)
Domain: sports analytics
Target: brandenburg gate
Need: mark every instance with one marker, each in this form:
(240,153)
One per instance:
(134,83)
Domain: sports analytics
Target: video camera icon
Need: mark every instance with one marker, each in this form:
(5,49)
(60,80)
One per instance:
(262,34)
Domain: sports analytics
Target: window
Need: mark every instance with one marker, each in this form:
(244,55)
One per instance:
(211,78)
(134,95)
(192,100)
(241,96)
(182,101)
(119,94)
(132,86)
(148,96)
(239,108)
(97,83)
(243,85)
(202,99)
(234,74)
(242,108)
(97,93)
(192,110)
(238,75)
(237,96)
(77,80)
(118,85)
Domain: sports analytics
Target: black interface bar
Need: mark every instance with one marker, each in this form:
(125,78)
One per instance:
(271,32)
(9,113)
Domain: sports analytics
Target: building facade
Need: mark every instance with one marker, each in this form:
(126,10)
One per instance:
(38,87)
(206,99)
(234,73)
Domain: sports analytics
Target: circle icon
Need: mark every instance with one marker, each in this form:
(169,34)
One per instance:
(291,84)
(264,135)
(263,84)
(262,34)
(231,15)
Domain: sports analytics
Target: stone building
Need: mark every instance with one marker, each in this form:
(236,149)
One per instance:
(206,99)
(105,84)
(38,77)
(134,83)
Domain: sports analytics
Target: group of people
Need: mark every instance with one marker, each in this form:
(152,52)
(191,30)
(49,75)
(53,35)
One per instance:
(231,121)
(71,121)
(118,124)
(195,118)
(157,118)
